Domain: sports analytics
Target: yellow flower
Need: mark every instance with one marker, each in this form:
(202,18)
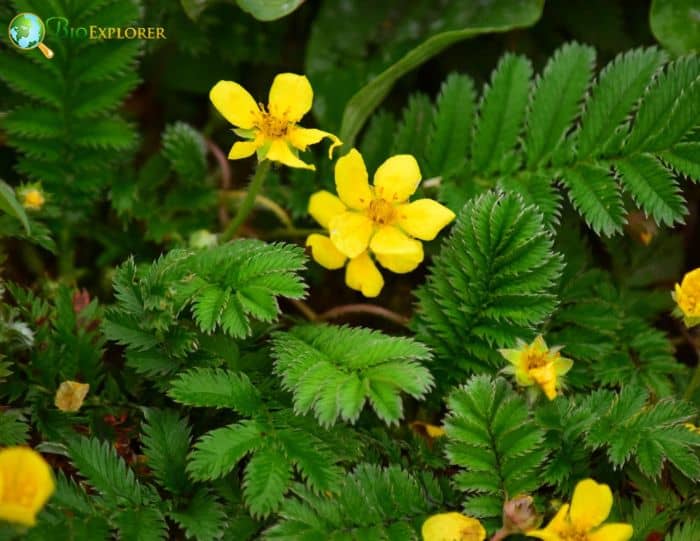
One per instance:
(26,483)
(32,197)
(376,220)
(692,427)
(70,395)
(272,132)
(582,520)
(452,527)
(537,364)
(427,430)
(687,297)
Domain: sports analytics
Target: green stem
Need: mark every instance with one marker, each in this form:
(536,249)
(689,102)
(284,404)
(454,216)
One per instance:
(249,201)
(694,383)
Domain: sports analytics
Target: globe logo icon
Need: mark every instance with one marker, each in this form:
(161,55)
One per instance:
(27,31)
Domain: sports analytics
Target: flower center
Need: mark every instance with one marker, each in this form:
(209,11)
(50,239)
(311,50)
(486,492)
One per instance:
(381,212)
(573,534)
(537,359)
(272,126)
(33,199)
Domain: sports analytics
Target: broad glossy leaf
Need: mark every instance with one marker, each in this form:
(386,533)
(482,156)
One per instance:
(360,48)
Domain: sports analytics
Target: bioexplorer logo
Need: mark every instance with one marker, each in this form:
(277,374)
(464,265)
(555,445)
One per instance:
(27,31)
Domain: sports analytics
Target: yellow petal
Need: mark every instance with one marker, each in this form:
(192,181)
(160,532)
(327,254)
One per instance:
(556,525)
(323,206)
(362,275)
(452,527)
(235,104)
(243,149)
(352,181)
(562,365)
(590,505)
(396,251)
(539,345)
(612,532)
(70,395)
(350,232)
(324,252)
(301,138)
(546,378)
(511,355)
(291,96)
(424,218)
(26,484)
(279,151)
(397,178)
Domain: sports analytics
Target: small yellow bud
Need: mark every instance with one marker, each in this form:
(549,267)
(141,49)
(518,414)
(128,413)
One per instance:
(427,430)
(202,238)
(33,199)
(70,395)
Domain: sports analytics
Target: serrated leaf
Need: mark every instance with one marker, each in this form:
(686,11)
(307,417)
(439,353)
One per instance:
(501,112)
(217,452)
(556,99)
(595,194)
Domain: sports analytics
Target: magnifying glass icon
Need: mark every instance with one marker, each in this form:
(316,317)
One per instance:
(27,31)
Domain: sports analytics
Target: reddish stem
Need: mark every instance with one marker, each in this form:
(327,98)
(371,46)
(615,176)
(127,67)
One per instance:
(363,308)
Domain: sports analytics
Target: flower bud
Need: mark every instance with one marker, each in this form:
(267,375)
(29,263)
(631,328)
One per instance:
(520,515)
(70,395)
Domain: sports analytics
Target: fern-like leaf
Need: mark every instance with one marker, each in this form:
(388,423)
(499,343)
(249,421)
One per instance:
(619,86)
(490,284)
(372,503)
(491,435)
(501,113)
(556,99)
(332,371)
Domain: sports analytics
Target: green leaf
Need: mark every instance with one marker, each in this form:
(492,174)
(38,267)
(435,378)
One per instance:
(619,86)
(653,188)
(269,10)
(106,471)
(10,205)
(491,16)
(209,387)
(684,158)
(311,458)
(267,478)
(659,102)
(333,370)
(372,503)
(218,451)
(676,24)
(450,134)
(595,194)
(166,439)
(501,112)
(14,430)
(556,100)
(185,149)
(491,284)
(412,132)
(144,524)
(491,435)
(203,518)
